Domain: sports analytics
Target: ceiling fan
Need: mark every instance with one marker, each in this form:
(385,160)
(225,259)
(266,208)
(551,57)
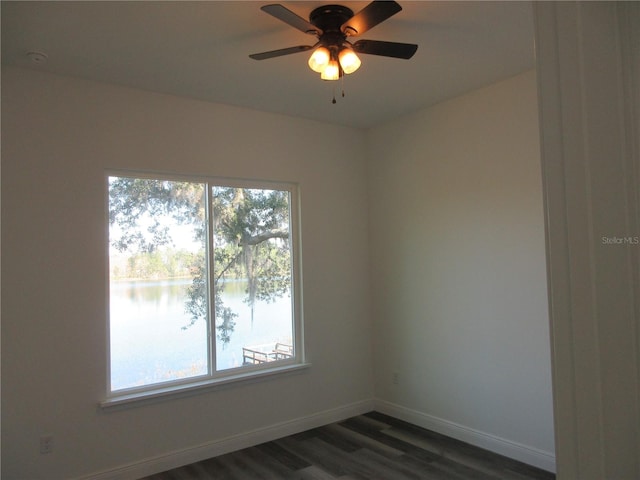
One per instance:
(333,54)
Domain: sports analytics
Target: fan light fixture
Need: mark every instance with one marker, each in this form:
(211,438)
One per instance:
(334,56)
(331,66)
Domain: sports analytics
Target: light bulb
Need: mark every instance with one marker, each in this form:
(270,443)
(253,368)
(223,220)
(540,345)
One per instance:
(319,59)
(331,71)
(349,61)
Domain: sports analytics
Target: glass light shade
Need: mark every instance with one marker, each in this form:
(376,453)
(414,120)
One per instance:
(331,71)
(349,61)
(319,59)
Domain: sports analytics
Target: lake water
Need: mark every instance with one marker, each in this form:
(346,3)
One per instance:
(150,345)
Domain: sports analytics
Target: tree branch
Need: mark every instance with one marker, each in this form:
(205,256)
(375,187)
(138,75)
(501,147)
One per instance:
(231,263)
(263,237)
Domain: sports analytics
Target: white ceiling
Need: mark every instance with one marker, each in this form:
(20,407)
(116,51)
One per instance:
(200,50)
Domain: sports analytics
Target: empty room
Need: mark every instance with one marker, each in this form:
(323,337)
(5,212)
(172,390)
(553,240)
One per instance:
(231,223)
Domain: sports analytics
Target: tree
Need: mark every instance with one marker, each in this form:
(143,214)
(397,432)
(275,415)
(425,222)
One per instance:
(250,236)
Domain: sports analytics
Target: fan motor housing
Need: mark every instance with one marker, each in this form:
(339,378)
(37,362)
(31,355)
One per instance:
(329,18)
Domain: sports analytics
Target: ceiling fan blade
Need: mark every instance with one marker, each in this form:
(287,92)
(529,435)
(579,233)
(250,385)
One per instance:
(370,16)
(386,49)
(280,52)
(290,18)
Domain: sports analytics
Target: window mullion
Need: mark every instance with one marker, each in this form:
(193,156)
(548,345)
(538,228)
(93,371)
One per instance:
(213,368)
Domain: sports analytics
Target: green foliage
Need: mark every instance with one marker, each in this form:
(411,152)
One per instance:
(159,264)
(251,230)
(133,199)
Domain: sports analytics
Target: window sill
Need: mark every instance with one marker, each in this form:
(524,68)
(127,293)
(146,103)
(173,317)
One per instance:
(129,400)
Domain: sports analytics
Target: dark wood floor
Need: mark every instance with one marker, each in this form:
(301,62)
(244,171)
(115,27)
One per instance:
(371,446)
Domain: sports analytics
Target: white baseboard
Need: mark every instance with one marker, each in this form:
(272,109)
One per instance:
(225,445)
(517,451)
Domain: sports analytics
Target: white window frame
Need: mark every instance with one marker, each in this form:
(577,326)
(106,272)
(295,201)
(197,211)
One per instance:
(215,378)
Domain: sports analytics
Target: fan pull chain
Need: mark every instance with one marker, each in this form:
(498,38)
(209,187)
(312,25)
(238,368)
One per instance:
(334,91)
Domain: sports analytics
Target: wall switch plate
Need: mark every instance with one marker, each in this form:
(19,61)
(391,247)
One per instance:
(46,443)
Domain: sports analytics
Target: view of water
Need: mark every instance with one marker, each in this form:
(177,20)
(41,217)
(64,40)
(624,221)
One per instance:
(149,344)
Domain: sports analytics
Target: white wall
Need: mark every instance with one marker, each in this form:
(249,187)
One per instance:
(458,270)
(58,137)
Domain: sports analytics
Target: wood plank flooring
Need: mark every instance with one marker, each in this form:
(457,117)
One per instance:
(371,446)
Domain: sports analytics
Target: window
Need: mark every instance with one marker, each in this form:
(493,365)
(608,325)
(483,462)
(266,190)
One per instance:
(203,282)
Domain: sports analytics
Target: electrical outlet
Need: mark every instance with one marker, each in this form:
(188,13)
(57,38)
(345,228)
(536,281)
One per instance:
(395,378)
(46,444)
